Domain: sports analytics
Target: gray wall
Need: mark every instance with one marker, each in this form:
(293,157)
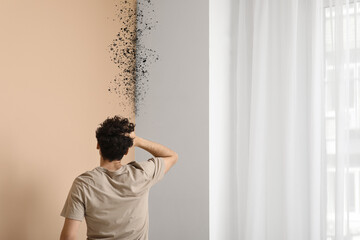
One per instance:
(175,113)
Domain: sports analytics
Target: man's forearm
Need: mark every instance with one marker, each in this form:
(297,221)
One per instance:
(156,149)
(68,237)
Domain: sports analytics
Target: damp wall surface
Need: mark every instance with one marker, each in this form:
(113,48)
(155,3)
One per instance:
(175,114)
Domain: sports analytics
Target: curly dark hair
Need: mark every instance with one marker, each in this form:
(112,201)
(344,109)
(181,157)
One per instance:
(112,139)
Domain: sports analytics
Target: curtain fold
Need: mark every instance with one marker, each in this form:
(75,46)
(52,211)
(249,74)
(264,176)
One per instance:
(275,80)
(283,192)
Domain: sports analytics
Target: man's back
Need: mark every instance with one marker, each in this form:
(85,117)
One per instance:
(113,198)
(115,204)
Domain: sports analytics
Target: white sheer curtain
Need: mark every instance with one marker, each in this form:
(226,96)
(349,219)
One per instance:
(266,120)
(342,116)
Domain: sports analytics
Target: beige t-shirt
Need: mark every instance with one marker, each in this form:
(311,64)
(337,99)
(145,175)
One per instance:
(114,204)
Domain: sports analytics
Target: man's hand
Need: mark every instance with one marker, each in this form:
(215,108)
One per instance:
(134,137)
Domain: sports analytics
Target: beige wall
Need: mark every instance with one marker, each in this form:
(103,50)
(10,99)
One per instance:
(55,72)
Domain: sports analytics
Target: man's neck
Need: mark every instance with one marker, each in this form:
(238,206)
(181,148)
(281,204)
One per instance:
(111,166)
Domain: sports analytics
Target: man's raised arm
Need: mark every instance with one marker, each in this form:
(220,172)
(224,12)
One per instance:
(158,150)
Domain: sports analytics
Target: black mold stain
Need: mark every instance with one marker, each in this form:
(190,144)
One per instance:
(129,52)
(145,56)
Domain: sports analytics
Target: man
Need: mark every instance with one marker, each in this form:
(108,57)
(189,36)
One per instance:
(113,197)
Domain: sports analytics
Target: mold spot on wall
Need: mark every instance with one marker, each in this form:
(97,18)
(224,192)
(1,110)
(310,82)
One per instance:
(130,53)
(145,56)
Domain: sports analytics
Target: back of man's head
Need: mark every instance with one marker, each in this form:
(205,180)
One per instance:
(112,137)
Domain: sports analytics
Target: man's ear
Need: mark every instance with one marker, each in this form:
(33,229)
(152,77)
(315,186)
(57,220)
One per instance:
(127,152)
(97,146)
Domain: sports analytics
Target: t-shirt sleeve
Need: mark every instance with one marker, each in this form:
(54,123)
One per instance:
(74,206)
(154,169)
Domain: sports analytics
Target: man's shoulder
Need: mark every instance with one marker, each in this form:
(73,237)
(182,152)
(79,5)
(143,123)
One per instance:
(135,165)
(87,177)
(148,166)
(140,166)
